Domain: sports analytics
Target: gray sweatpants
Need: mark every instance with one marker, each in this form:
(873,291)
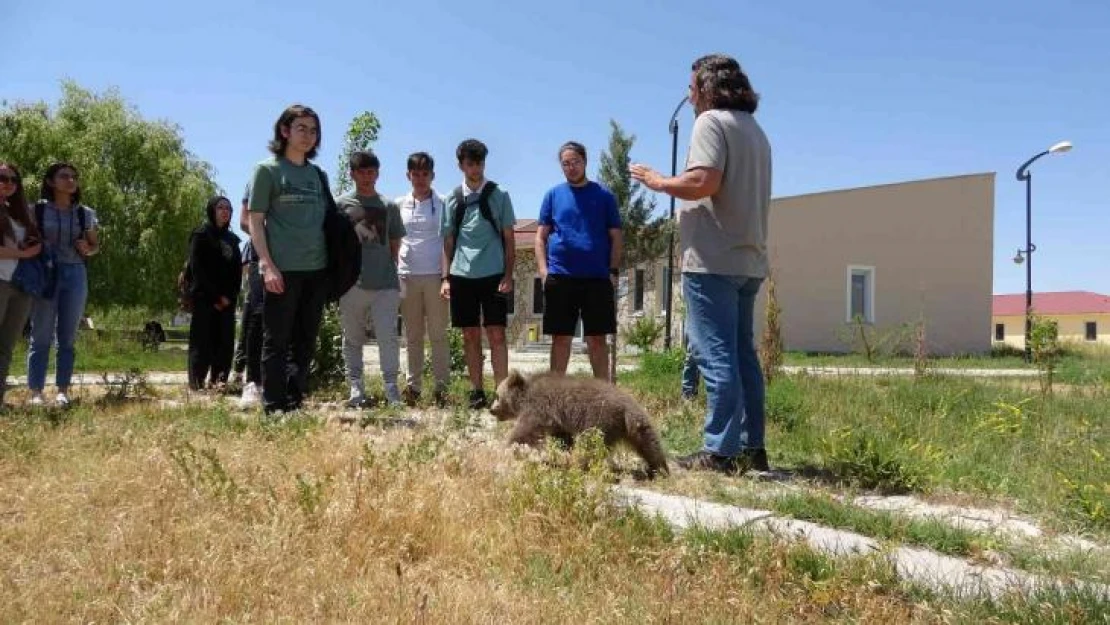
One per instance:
(355,307)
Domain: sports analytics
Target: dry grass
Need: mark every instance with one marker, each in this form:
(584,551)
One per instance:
(190,514)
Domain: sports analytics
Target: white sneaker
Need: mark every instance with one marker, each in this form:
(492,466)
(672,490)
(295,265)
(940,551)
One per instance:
(62,400)
(251,396)
(37,400)
(357,398)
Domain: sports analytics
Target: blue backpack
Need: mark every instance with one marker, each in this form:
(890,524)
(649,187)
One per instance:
(37,276)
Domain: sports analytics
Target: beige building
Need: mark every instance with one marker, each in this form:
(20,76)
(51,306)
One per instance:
(889,254)
(1081,317)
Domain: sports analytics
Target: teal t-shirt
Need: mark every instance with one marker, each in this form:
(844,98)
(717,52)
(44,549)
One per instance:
(292,197)
(478,254)
(378,270)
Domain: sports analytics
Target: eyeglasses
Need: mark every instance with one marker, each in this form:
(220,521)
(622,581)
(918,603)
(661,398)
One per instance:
(8,179)
(573,163)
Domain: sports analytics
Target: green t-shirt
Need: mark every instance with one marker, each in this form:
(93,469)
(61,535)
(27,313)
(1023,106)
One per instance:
(478,252)
(292,197)
(378,271)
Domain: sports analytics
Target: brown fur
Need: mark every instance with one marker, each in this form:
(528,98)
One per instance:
(563,407)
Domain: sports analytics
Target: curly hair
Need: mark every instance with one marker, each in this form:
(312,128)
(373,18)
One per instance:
(721,84)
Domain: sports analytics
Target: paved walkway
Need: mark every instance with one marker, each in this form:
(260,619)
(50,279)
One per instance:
(922,566)
(533,360)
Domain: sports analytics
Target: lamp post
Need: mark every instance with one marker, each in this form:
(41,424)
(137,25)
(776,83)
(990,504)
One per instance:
(1024,175)
(670,237)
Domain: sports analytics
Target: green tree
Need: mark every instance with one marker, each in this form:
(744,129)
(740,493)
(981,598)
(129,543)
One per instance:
(147,189)
(362,133)
(645,236)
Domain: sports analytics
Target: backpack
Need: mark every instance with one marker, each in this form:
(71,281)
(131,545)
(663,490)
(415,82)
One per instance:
(343,247)
(483,208)
(40,211)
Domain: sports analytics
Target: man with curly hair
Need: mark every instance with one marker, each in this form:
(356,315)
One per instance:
(726,193)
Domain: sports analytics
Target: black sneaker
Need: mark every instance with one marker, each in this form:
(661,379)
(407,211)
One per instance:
(410,396)
(478,399)
(707,461)
(753,460)
(440,398)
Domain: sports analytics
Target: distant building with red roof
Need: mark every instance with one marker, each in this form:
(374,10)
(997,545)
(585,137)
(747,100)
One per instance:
(1081,316)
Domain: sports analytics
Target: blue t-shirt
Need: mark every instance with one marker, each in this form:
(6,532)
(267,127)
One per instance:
(580,220)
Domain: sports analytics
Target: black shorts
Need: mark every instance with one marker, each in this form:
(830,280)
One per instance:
(475,301)
(565,299)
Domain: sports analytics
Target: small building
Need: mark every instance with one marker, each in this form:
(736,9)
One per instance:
(886,257)
(1081,317)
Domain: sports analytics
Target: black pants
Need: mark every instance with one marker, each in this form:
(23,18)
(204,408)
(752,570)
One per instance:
(290,324)
(211,339)
(248,351)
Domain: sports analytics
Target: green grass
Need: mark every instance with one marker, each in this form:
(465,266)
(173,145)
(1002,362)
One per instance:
(934,534)
(96,354)
(935,434)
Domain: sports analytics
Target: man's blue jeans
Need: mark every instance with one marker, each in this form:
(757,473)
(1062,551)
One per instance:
(60,316)
(690,377)
(720,318)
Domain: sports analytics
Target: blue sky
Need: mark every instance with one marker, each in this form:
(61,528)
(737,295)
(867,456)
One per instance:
(854,92)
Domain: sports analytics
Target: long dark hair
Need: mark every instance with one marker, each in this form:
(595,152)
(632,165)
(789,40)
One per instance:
(721,84)
(46,192)
(288,116)
(16,208)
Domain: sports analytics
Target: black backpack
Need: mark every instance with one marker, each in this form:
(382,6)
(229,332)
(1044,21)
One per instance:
(483,208)
(344,248)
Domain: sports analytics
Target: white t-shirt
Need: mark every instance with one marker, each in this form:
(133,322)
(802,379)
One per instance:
(422,246)
(7,265)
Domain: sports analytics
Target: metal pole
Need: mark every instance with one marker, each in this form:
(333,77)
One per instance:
(1028,266)
(670,237)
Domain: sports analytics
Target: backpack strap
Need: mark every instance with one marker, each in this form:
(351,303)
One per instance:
(487,212)
(483,208)
(325,190)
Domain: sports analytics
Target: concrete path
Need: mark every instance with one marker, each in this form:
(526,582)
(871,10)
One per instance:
(932,570)
(902,371)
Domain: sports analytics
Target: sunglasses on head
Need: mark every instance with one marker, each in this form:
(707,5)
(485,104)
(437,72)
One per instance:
(6,179)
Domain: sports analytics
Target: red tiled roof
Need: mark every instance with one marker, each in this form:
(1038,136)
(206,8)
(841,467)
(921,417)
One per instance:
(524,233)
(1061,303)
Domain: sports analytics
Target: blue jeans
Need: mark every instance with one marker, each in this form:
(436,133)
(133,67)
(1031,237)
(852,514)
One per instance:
(59,316)
(689,372)
(720,318)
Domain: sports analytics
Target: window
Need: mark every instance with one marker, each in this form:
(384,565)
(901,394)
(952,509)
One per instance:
(663,288)
(1000,332)
(638,293)
(537,296)
(1092,330)
(861,294)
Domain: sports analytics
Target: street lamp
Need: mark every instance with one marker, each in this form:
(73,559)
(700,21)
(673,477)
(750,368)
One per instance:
(1026,254)
(670,238)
